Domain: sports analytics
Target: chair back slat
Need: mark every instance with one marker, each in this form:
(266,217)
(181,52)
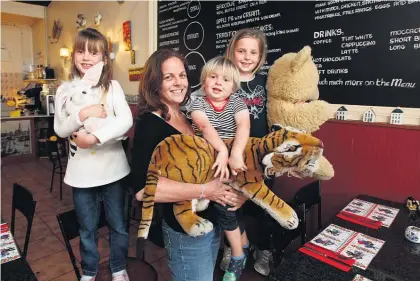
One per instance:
(23,200)
(68,224)
(309,194)
(54,153)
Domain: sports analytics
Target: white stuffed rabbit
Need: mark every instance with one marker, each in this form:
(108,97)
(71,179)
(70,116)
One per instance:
(82,93)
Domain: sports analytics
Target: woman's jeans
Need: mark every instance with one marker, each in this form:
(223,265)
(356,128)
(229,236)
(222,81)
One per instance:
(191,258)
(88,209)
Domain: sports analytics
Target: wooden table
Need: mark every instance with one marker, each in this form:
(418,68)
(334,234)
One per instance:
(398,260)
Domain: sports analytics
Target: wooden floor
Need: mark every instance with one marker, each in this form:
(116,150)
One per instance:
(47,254)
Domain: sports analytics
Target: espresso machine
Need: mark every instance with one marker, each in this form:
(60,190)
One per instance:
(33,99)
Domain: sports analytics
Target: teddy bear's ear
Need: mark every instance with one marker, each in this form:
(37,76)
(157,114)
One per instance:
(93,74)
(301,58)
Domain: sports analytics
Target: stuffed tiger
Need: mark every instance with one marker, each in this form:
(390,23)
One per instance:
(280,151)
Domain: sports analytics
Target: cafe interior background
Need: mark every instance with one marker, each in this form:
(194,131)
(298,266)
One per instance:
(369,158)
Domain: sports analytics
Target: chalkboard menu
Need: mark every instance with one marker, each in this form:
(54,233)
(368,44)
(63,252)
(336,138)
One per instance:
(367,52)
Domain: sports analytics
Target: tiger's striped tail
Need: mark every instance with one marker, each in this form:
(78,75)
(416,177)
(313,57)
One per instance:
(148,202)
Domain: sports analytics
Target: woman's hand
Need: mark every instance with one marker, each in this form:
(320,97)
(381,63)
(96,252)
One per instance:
(139,195)
(96,110)
(217,191)
(237,199)
(84,140)
(221,165)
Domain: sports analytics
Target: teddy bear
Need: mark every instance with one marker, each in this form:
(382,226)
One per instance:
(293,101)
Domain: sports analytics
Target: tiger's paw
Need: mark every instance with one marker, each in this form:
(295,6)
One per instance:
(291,223)
(200,204)
(201,227)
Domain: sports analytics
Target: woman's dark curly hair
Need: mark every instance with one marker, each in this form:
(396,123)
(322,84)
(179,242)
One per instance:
(151,83)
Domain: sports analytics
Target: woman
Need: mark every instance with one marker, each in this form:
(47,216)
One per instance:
(163,89)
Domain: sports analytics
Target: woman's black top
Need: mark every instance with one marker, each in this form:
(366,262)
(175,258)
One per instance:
(150,130)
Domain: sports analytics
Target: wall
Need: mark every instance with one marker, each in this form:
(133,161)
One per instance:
(24,27)
(39,42)
(114,14)
(17,43)
(22,9)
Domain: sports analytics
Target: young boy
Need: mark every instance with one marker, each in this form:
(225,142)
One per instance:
(220,115)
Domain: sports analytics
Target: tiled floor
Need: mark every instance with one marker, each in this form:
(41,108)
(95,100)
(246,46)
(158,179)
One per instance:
(47,254)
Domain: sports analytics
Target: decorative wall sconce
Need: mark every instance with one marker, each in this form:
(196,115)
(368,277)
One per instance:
(64,54)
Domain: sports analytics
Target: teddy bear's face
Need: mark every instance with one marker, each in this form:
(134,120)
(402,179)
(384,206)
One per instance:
(294,77)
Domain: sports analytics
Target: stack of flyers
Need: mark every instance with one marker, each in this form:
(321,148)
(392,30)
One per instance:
(8,247)
(349,243)
(373,211)
(359,277)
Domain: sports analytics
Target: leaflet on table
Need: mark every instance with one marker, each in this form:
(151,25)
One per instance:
(349,243)
(359,277)
(8,247)
(373,211)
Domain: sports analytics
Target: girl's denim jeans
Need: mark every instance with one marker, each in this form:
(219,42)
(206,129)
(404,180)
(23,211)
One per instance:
(88,209)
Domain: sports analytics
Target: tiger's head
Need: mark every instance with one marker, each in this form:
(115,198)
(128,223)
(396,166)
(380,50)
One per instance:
(288,150)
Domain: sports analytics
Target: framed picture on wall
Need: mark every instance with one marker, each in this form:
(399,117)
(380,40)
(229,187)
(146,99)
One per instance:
(135,74)
(127,35)
(16,137)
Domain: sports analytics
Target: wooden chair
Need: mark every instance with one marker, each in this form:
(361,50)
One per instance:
(56,158)
(304,200)
(310,195)
(280,237)
(23,201)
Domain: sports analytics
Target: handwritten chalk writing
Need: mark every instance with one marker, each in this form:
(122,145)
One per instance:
(163,36)
(332,59)
(358,44)
(328,33)
(400,40)
(349,51)
(322,41)
(405,31)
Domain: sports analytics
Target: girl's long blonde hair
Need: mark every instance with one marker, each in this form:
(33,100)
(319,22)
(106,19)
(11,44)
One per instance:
(96,42)
(248,33)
